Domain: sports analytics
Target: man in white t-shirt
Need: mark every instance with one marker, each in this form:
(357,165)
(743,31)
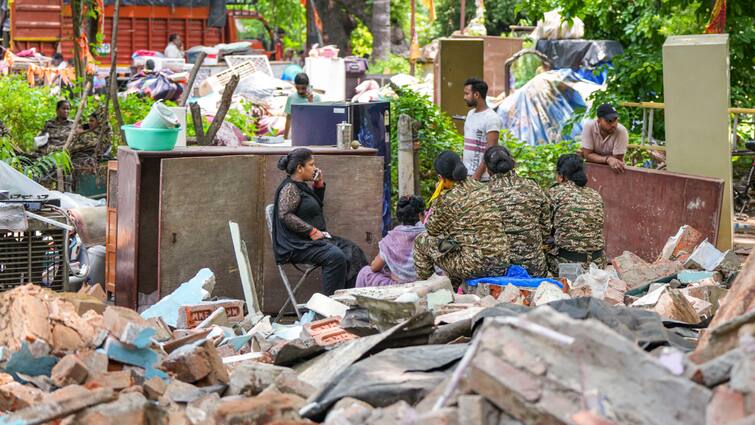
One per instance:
(481,128)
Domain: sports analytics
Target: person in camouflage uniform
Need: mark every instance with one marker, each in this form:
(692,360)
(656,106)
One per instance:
(465,235)
(58,128)
(525,210)
(577,217)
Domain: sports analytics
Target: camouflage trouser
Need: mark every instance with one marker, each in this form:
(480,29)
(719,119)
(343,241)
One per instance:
(554,260)
(535,262)
(458,264)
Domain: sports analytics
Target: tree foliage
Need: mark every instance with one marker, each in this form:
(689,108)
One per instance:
(642,26)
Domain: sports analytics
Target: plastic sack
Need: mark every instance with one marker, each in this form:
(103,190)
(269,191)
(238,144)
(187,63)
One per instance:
(597,279)
(553,27)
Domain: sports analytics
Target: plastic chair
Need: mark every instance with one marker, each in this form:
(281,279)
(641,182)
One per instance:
(306,271)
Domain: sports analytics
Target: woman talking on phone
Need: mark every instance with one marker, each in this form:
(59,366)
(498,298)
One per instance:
(299,231)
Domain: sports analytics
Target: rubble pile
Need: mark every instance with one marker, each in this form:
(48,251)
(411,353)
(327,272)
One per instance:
(668,342)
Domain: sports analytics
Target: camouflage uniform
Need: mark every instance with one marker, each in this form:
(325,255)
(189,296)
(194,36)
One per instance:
(464,237)
(526,218)
(58,131)
(577,226)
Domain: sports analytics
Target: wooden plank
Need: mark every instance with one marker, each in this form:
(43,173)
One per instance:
(127,239)
(197,201)
(353,210)
(460,58)
(645,207)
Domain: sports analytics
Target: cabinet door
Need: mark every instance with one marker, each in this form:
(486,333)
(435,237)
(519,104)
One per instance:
(198,196)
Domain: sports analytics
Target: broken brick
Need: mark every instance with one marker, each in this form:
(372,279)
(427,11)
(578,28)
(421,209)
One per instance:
(15,396)
(128,326)
(197,362)
(115,380)
(95,362)
(249,379)
(477,410)
(189,316)
(636,272)
(154,388)
(725,407)
(69,370)
(130,408)
(259,410)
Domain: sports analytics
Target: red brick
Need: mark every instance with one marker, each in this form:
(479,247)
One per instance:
(115,380)
(725,407)
(15,396)
(69,370)
(259,410)
(189,316)
(194,363)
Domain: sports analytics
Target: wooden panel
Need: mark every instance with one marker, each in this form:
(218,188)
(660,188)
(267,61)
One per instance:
(353,210)
(194,219)
(460,58)
(696,86)
(496,51)
(127,241)
(645,207)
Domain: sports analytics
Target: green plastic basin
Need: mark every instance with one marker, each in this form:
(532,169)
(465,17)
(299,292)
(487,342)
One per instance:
(151,139)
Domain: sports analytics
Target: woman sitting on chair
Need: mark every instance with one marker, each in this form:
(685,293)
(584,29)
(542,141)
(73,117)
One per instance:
(299,232)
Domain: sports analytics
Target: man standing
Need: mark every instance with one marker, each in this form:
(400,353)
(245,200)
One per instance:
(604,140)
(174,49)
(481,128)
(303,95)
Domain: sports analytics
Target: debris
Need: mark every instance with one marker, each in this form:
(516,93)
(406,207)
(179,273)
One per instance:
(251,378)
(672,304)
(95,291)
(46,412)
(196,362)
(69,370)
(735,311)
(637,272)
(681,245)
(548,292)
(115,380)
(541,387)
(196,290)
(327,332)
(217,318)
(16,396)
(23,361)
(326,307)
(141,357)
(190,316)
(259,410)
(128,326)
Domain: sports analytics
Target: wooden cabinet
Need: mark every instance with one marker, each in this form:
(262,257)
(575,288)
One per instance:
(174,208)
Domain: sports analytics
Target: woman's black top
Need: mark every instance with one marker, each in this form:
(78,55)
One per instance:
(297,209)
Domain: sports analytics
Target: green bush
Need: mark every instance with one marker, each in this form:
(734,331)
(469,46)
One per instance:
(24,110)
(395,64)
(537,162)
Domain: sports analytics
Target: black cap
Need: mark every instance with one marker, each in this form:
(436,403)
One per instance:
(607,112)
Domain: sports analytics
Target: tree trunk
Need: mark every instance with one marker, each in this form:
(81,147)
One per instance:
(79,61)
(381,29)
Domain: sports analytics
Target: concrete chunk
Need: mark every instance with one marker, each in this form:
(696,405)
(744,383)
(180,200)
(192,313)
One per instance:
(549,387)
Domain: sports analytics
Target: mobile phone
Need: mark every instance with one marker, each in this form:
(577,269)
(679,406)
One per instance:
(317,174)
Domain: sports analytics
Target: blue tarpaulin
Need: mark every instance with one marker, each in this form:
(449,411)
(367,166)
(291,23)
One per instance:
(537,112)
(516,276)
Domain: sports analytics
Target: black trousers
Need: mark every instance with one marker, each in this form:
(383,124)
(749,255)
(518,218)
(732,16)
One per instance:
(333,262)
